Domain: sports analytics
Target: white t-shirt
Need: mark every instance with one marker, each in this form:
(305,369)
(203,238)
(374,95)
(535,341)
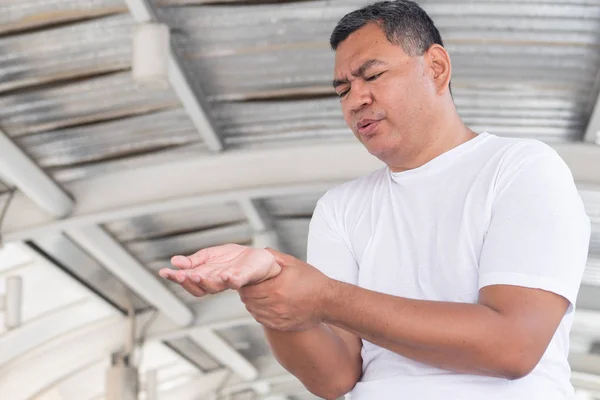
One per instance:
(490,211)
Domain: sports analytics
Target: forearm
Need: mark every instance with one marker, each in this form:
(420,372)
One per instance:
(468,338)
(319,358)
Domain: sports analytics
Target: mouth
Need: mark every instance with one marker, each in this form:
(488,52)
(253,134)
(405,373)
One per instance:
(367,127)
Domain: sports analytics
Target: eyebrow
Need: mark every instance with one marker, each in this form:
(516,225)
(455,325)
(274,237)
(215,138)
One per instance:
(358,72)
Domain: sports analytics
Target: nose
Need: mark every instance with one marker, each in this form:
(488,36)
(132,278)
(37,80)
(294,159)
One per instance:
(360,96)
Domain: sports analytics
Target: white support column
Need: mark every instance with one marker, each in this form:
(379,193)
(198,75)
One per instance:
(192,99)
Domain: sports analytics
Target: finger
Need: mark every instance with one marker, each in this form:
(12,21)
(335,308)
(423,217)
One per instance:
(235,278)
(193,289)
(211,284)
(174,276)
(198,258)
(169,274)
(206,271)
(181,262)
(252,293)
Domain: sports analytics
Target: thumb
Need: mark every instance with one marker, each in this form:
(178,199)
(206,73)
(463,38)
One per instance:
(181,262)
(281,258)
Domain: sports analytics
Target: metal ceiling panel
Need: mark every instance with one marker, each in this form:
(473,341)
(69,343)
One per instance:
(292,206)
(591,200)
(164,248)
(534,63)
(517,112)
(290,40)
(592,272)
(89,101)
(161,156)
(165,225)
(76,50)
(294,234)
(112,140)
(16,15)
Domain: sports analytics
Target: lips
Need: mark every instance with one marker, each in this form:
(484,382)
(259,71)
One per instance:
(367,126)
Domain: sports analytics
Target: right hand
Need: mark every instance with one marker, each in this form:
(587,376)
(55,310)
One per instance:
(219,268)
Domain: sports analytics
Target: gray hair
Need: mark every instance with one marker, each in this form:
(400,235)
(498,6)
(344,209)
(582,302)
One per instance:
(404,23)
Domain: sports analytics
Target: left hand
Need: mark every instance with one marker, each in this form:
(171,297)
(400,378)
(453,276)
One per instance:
(293,300)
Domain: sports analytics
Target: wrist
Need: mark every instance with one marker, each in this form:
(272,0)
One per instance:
(329,299)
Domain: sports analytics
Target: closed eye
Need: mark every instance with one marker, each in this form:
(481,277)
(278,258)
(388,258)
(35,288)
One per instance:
(343,93)
(373,77)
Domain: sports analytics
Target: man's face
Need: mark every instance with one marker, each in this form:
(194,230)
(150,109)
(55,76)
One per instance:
(385,93)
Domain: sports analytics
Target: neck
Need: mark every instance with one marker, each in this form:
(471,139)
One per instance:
(445,134)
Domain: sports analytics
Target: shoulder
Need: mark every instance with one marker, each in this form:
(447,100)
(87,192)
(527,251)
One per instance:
(520,152)
(527,158)
(353,191)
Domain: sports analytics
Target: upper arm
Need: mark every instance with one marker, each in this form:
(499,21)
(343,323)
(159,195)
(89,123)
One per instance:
(329,252)
(530,316)
(535,249)
(538,235)
(327,248)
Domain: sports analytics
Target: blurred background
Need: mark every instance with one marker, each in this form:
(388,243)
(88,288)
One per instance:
(133,130)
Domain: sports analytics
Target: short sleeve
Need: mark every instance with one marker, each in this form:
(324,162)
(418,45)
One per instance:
(539,233)
(327,250)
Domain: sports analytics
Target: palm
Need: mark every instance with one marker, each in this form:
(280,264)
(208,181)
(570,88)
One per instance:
(252,266)
(231,265)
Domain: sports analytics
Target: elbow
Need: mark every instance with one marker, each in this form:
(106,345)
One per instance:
(518,364)
(334,389)
(331,393)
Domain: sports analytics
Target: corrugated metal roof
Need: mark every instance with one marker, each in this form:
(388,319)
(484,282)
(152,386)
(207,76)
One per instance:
(536,60)
(516,112)
(115,139)
(93,100)
(75,50)
(17,15)
(591,200)
(292,206)
(169,154)
(169,224)
(293,234)
(188,243)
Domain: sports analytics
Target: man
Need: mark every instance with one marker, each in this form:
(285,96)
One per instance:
(450,273)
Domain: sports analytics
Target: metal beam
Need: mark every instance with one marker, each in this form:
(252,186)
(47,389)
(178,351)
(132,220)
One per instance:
(221,351)
(263,226)
(193,100)
(258,217)
(586,363)
(200,387)
(18,169)
(57,346)
(58,359)
(592,131)
(585,381)
(87,270)
(19,341)
(124,266)
(233,175)
(215,312)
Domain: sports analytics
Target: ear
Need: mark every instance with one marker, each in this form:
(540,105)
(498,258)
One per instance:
(439,63)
